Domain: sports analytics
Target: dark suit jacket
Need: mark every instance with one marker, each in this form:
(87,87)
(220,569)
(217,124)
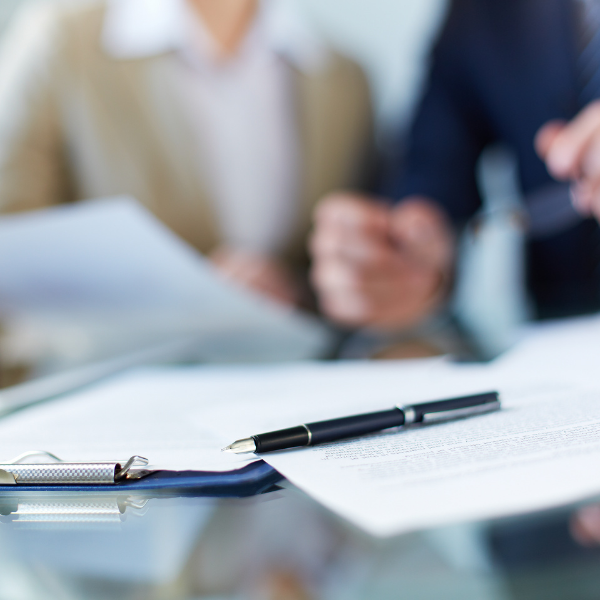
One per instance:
(500,70)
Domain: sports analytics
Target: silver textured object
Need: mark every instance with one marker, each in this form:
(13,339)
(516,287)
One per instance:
(468,411)
(104,511)
(61,473)
(64,473)
(71,509)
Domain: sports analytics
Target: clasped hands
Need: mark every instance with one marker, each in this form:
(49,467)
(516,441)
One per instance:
(385,267)
(380,266)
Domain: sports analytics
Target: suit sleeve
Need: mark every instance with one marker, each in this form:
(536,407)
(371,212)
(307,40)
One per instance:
(33,171)
(450,129)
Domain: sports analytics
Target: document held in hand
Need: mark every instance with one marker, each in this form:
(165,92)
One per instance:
(110,276)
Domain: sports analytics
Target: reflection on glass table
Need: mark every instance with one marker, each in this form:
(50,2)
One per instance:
(278,545)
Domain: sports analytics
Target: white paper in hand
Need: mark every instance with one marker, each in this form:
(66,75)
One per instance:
(109,267)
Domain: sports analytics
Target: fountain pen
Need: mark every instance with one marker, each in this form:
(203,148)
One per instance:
(320,432)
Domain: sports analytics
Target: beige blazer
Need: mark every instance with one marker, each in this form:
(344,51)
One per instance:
(77,123)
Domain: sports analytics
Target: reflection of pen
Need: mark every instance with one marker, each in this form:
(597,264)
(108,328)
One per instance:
(347,427)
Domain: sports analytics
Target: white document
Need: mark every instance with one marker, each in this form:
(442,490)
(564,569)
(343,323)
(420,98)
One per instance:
(179,418)
(107,277)
(540,451)
(157,415)
(566,349)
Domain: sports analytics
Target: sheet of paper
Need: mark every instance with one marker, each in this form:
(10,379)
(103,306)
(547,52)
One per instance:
(148,414)
(110,278)
(540,451)
(566,349)
(176,417)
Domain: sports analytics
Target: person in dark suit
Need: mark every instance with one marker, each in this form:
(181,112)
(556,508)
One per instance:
(522,72)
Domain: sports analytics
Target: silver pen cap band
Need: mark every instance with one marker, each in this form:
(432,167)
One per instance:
(409,414)
(309,434)
(461,413)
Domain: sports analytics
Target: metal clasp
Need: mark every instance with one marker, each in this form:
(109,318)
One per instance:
(134,461)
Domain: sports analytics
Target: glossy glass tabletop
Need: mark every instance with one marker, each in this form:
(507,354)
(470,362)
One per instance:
(278,545)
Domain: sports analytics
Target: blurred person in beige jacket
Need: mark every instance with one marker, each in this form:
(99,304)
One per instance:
(228,119)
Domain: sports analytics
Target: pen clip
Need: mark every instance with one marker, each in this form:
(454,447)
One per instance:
(460,413)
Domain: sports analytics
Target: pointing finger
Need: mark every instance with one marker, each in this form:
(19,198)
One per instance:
(353,212)
(568,146)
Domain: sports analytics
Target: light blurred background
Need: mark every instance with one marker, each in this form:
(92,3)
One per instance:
(390,38)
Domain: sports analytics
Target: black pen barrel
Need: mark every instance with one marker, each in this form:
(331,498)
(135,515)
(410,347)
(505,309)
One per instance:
(281,439)
(347,427)
(357,425)
(328,431)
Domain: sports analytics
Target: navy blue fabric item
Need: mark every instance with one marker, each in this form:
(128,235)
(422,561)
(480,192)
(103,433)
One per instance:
(253,479)
(499,71)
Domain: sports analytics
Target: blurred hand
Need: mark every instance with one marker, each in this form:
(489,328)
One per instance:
(257,272)
(572,152)
(378,266)
(585,525)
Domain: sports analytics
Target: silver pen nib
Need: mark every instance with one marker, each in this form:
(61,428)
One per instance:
(241,446)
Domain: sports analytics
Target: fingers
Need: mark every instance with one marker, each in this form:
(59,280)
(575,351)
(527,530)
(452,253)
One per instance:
(363,251)
(350,243)
(351,228)
(376,266)
(272,281)
(422,231)
(566,148)
(572,151)
(344,278)
(259,273)
(394,299)
(546,136)
(352,212)
(585,525)
(587,190)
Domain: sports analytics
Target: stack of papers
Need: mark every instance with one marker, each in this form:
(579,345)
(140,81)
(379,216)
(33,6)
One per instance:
(540,451)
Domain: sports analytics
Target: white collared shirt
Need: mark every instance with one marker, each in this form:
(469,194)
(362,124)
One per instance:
(242,109)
